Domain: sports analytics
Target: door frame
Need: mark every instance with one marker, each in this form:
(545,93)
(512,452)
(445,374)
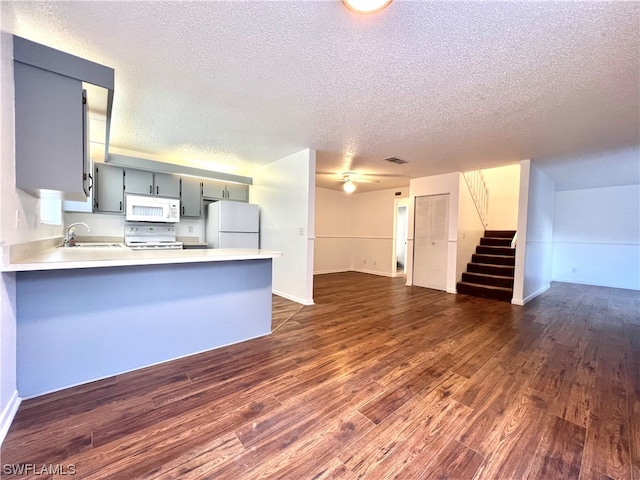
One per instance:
(397,203)
(447,227)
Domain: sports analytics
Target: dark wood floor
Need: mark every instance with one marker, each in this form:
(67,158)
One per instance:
(282,310)
(377,380)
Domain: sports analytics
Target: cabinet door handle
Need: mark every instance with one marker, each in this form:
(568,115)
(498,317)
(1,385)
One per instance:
(183,210)
(157,190)
(91,184)
(120,206)
(150,189)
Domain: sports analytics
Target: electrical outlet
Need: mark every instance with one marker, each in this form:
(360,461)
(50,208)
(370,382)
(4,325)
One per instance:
(574,270)
(190,228)
(17,219)
(364,261)
(375,263)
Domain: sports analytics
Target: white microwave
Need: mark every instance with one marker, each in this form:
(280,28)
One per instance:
(152,209)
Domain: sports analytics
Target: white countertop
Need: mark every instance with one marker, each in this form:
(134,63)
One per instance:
(61,258)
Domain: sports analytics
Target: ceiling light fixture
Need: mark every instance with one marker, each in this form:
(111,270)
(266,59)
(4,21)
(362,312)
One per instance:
(366,6)
(349,186)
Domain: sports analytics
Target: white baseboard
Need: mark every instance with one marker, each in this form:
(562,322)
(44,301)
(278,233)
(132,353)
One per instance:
(452,290)
(595,284)
(8,413)
(373,272)
(522,302)
(293,298)
(332,270)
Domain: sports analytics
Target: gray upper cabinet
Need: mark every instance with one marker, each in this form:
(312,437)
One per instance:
(217,190)
(167,185)
(138,182)
(51,123)
(213,190)
(191,197)
(142,182)
(50,133)
(109,194)
(238,192)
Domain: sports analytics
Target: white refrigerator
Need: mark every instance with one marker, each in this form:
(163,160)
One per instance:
(232,225)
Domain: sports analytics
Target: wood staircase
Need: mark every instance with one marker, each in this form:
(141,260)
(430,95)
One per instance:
(490,272)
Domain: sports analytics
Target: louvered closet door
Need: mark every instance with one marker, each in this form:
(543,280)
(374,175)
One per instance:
(431,241)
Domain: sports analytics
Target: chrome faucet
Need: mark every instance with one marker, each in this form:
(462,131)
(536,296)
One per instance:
(70,238)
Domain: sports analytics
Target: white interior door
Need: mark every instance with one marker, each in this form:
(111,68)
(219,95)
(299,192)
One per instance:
(431,227)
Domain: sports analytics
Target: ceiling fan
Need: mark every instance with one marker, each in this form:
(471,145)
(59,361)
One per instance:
(349,180)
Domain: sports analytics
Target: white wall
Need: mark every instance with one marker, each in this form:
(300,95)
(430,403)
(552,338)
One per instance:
(285,191)
(105,225)
(596,236)
(333,245)
(437,185)
(19,222)
(534,251)
(503,184)
(355,232)
(8,386)
(373,231)
(470,229)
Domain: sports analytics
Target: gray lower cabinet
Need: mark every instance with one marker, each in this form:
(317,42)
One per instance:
(216,190)
(138,182)
(109,185)
(191,197)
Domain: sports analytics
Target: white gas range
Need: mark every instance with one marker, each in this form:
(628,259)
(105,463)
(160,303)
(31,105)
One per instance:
(150,236)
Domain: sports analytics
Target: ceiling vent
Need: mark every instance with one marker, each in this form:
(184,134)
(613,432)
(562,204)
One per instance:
(397,160)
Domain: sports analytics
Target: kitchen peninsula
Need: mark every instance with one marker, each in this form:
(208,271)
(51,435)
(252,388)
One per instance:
(88,313)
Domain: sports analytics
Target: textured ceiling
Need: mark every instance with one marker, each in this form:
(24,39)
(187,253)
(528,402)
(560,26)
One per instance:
(444,85)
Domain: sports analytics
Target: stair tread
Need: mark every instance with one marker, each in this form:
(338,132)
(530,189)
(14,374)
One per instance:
(494,255)
(488,275)
(491,265)
(499,233)
(488,287)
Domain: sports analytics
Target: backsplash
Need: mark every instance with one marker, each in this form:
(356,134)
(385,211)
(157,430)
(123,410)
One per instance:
(104,225)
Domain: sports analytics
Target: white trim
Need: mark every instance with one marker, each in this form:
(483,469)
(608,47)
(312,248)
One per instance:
(373,272)
(452,290)
(597,243)
(520,302)
(332,270)
(8,414)
(577,282)
(293,298)
(357,237)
